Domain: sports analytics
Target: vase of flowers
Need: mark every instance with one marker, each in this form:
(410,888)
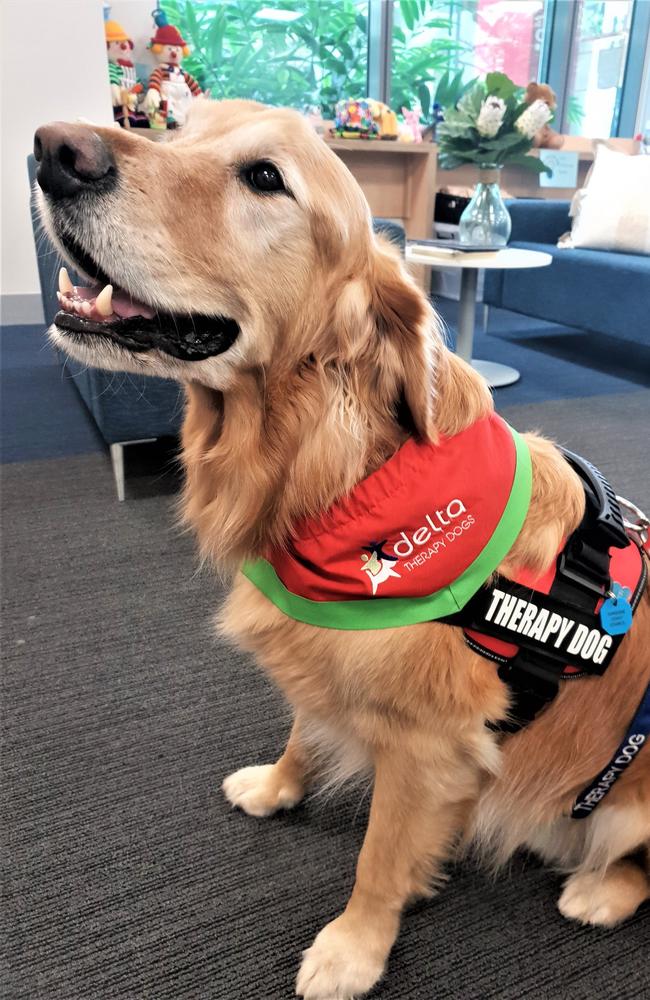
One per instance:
(486,220)
(491,125)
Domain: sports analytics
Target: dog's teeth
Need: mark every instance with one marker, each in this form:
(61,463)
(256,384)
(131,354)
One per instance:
(76,305)
(65,285)
(104,301)
(60,298)
(86,309)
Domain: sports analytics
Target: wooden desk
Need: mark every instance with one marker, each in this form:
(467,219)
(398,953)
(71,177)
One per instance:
(397,178)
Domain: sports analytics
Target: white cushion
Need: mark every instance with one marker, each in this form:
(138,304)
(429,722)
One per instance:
(612,212)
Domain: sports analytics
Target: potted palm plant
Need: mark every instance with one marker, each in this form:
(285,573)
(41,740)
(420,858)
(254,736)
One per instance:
(492,124)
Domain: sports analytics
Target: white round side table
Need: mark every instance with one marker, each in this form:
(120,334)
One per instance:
(470,264)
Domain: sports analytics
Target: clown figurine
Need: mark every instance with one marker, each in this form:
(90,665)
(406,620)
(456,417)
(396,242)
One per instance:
(121,72)
(170,89)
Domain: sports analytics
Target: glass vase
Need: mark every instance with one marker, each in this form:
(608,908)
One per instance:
(486,220)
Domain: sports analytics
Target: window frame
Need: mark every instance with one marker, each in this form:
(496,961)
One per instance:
(638,52)
(380,48)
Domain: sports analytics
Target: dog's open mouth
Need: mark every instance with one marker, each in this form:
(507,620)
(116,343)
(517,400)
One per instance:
(113,314)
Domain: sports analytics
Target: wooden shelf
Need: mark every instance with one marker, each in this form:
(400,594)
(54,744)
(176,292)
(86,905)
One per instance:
(378,146)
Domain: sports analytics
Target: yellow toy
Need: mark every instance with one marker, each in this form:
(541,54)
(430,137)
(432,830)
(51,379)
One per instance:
(386,120)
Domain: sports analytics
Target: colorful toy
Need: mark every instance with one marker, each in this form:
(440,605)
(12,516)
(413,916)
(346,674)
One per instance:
(125,88)
(354,120)
(170,89)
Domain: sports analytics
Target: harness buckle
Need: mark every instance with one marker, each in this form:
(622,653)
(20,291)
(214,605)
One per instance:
(585,566)
(640,525)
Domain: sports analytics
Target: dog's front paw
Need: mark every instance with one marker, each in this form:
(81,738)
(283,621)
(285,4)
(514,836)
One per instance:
(260,791)
(338,966)
(604,898)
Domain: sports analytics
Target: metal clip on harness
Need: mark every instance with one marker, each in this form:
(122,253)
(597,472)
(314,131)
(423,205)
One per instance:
(639,526)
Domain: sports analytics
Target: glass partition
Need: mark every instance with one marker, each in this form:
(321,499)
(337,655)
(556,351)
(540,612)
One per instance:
(297,53)
(465,39)
(303,53)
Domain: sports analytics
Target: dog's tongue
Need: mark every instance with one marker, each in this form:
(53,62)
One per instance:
(124,306)
(104,305)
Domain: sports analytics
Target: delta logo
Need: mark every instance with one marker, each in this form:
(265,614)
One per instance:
(379,560)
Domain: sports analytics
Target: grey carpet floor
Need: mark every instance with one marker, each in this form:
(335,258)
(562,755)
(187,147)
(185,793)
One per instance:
(125,873)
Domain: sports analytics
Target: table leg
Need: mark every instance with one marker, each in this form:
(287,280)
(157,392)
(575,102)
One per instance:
(495,374)
(466,312)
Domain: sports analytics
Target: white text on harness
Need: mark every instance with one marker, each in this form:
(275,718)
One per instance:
(523,617)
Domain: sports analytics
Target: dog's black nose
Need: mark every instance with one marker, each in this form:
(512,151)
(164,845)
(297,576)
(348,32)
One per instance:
(72,159)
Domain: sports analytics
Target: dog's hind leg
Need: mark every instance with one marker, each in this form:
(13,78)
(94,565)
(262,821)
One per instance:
(606,897)
(614,879)
(263,789)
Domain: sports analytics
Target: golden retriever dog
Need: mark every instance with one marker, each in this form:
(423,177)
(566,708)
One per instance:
(239,258)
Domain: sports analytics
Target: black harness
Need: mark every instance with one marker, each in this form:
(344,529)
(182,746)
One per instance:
(582,580)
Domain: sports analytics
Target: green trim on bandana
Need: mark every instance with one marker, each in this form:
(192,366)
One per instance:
(392,612)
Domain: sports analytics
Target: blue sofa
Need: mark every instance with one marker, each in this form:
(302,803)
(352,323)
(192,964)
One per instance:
(591,289)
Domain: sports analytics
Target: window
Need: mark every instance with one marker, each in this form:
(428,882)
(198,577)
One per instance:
(597,66)
(305,53)
(297,53)
(465,39)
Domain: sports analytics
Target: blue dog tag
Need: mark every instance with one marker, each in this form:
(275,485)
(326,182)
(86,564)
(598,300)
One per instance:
(616,611)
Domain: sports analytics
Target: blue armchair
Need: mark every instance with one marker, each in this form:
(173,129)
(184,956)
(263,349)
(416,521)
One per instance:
(590,289)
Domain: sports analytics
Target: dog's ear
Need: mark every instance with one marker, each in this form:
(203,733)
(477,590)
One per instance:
(407,340)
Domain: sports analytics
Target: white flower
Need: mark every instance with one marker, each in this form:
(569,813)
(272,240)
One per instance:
(490,116)
(533,118)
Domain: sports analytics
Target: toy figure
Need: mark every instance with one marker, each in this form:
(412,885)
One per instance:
(386,120)
(170,89)
(354,120)
(546,137)
(412,122)
(121,73)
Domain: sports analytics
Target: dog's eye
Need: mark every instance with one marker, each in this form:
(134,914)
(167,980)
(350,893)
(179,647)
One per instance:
(263,177)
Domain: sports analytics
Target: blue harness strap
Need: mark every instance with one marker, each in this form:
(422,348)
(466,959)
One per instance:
(636,736)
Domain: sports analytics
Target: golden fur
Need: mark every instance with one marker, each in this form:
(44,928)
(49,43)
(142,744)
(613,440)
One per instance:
(339,360)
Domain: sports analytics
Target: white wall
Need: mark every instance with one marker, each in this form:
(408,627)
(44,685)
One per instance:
(53,66)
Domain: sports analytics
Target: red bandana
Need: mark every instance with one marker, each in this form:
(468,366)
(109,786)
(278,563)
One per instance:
(412,542)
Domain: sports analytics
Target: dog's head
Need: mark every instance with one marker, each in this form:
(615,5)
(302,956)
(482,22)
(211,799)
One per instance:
(242,243)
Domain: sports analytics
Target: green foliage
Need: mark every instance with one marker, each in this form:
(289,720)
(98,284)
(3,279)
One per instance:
(451,89)
(423,52)
(316,58)
(459,140)
(500,85)
(319,56)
